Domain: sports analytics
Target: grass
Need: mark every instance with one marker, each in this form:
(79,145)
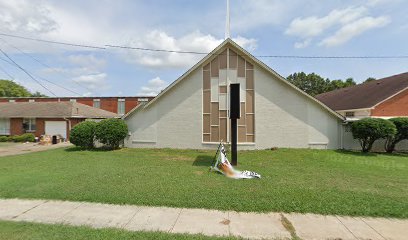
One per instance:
(313,181)
(24,231)
(7,144)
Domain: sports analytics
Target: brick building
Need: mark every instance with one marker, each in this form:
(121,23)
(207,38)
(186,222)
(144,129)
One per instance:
(118,105)
(49,118)
(385,98)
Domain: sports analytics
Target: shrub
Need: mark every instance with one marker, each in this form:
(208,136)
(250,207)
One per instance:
(111,132)
(83,134)
(402,133)
(368,130)
(26,137)
(4,139)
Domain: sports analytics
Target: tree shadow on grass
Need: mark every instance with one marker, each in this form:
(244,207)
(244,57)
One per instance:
(203,161)
(80,149)
(372,154)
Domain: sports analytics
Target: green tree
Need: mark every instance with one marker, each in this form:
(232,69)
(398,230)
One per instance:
(313,84)
(38,94)
(369,130)
(9,88)
(370,79)
(402,133)
(83,134)
(111,132)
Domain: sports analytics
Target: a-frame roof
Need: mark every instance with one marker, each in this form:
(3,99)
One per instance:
(242,52)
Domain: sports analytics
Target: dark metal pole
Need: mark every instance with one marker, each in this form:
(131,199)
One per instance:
(234,139)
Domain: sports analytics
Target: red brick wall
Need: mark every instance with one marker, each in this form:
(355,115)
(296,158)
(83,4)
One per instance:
(396,106)
(16,125)
(107,103)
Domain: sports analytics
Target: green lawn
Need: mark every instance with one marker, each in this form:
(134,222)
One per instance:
(31,231)
(315,181)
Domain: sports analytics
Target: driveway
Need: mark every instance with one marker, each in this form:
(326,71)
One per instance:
(22,148)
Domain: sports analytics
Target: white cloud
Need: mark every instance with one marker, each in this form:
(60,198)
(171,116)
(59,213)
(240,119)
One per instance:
(353,29)
(26,16)
(153,87)
(87,60)
(346,23)
(314,26)
(93,81)
(193,42)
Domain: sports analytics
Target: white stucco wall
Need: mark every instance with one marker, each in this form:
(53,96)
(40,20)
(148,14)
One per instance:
(286,118)
(352,144)
(283,118)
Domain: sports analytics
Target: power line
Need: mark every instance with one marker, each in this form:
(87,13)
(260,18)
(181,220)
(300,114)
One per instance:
(205,53)
(9,75)
(45,65)
(22,69)
(53,42)
(69,90)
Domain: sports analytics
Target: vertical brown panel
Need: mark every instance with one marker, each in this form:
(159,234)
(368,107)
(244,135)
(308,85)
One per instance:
(214,114)
(233,58)
(250,79)
(207,67)
(206,138)
(250,123)
(241,134)
(223,89)
(223,129)
(214,68)
(249,65)
(242,121)
(241,67)
(250,138)
(206,80)
(206,123)
(223,59)
(206,101)
(250,101)
(223,113)
(215,134)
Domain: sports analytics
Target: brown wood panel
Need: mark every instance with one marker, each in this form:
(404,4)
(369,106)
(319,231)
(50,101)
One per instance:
(250,101)
(250,138)
(207,67)
(250,123)
(223,89)
(249,65)
(241,134)
(215,134)
(206,101)
(242,121)
(206,123)
(241,66)
(223,129)
(233,59)
(223,59)
(250,79)
(223,113)
(206,138)
(215,70)
(214,114)
(206,80)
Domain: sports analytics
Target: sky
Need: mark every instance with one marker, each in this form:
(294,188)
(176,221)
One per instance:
(263,27)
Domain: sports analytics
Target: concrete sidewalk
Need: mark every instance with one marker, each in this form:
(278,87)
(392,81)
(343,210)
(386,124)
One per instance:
(23,148)
(207,222)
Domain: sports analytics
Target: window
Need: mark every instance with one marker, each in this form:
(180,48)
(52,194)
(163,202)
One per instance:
(12,100)
(349,114)
(121,106)
(142,99)
(4,126)
(97,103)
(72,100)
(31,100)
(29,124)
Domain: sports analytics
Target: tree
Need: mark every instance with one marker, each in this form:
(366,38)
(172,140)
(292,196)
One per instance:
(314,84)
(369,79)
(111,132)
(369,130)
(402,133)
(11,89)
(83,134)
